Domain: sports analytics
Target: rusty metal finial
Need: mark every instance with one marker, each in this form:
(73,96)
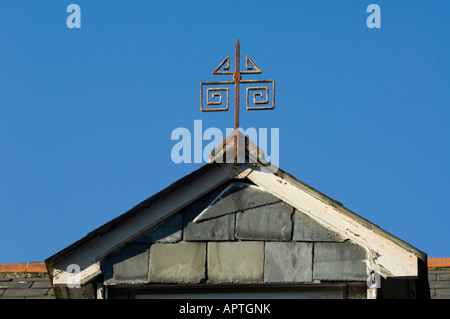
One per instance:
(215,90)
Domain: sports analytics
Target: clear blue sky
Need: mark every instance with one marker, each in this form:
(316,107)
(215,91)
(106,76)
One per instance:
(86,114)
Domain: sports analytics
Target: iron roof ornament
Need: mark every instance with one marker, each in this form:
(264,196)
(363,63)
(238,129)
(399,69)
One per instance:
(258,92)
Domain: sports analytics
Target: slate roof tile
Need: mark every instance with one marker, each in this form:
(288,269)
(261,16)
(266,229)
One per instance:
(25,281)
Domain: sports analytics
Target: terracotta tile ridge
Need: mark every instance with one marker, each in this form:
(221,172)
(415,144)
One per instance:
(36,266)
(33,266)
(438,262)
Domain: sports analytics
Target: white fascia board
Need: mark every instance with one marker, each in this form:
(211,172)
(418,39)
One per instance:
(75,279)
(384,256)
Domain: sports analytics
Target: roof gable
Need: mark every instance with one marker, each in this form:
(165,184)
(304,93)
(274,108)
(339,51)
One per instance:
(387,255)
(186,249)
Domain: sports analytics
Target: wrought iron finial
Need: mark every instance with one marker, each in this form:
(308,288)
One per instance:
(260,94)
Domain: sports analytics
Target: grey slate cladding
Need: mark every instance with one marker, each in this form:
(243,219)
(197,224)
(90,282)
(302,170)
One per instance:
(130,264)
(236,262)
(168,231)
(268,242)
(270,222)
(307,229)
(217,229)
(32,287)
(339,261)
(183,262)
(220,228)
(235,198)
(288,262)
(439,283)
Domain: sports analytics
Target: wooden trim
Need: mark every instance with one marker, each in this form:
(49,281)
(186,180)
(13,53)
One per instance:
(384,256)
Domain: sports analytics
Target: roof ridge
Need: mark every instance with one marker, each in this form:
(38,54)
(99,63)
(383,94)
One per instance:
(438,262)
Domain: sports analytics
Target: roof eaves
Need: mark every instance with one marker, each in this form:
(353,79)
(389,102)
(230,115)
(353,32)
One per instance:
(338,205)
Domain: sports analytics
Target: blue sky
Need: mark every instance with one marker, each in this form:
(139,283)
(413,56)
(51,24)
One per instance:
(86,114)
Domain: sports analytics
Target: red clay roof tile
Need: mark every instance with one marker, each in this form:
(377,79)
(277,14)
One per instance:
(438,262)
(34,266)
(13,267)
